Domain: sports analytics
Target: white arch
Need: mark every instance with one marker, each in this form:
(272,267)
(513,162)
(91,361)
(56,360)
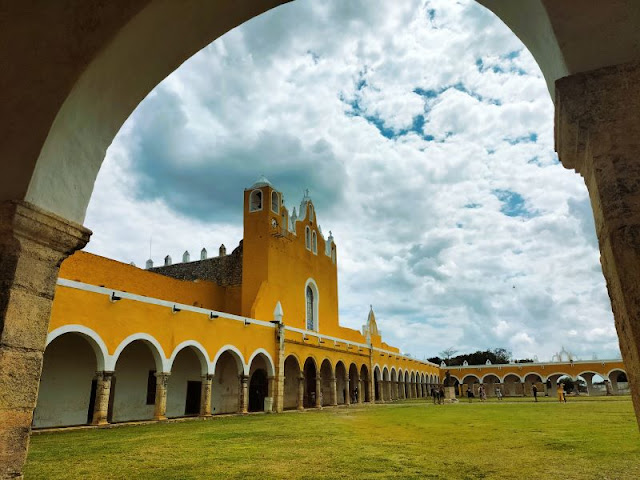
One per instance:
(270,367)
(316,304)
(470,375)
(376,366)
(229,348)
(162,363)
(511,373)
(201,353)
(616,369)
(562,374)
(488,374)
(98,345)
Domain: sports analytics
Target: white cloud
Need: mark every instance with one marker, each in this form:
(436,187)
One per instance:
(403,122)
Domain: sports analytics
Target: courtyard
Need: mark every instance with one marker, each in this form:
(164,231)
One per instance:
(586,438)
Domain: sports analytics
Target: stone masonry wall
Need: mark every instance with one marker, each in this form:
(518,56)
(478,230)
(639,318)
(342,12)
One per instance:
(225,270)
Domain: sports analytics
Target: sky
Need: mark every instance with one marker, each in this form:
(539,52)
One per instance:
(423,130)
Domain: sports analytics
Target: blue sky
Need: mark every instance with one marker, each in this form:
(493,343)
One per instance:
(424,132)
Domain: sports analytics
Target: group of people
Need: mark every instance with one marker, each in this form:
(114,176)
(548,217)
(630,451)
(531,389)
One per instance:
(482,393)
(437,394)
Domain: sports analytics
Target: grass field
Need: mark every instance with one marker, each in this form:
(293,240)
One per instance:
(587,438)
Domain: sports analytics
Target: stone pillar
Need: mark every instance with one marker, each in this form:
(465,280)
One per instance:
(301,392)
(588,377)
(244,394)
(361,391)
(400,390)
(318,391)
(598,135)
(380,391)
(334,391)
(271,387)
(205,396)
(278,392)
(607,385)
(103,391)
(160,409)
(33,244)
(614,386)
(347,398)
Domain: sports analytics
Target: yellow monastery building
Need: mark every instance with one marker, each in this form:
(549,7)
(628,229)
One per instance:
(253,330)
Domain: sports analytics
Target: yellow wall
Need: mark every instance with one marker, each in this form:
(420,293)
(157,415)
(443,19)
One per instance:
(104,272)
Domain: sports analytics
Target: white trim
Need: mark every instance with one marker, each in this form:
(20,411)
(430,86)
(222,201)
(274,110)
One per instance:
(204,365)
(162,363)
(539,364)
(613,370)
(270,366)
(511,373)
(487,374)
(316,303)
(229,348)
(470,375)
(97,344)
(63,282)
(562,374)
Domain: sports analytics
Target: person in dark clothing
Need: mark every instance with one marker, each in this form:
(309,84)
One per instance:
(441,395)
(434,394)
(534,389)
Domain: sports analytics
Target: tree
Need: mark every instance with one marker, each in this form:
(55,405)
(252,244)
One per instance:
(448,353)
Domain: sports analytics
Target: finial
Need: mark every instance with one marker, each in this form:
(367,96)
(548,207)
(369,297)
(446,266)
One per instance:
(306,192)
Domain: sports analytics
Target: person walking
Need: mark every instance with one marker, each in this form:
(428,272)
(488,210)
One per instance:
(441,395)
(469,393)
(498,393)
(534,389)
(434,394)
(483,393)
(561,397)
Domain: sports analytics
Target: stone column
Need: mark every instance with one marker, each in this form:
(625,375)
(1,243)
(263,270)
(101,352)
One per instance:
(33,244)
(103,391)
(301,392)
(205,396)
(614,386)
(160,409)
(400,390)
(244,394)
(598,135)
(278,391)
(271,391)
(380,391)
(607,385)
(334,391)
(361,391)
(318,391)
(588,377)
(347,398)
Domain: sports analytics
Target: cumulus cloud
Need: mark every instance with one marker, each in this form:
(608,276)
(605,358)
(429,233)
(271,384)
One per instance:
(424,132)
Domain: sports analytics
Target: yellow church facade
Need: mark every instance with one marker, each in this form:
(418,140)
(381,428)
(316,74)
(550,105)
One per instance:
(254,330)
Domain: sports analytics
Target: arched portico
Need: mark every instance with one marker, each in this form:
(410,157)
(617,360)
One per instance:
(139,384)
(293,384)
(355,391)
(328,383)
(68,384)
(365,389)
(189,370)
(260,382)
(312,388)
(491,384)
(377,384)
(512,385)
(228,382)
(342,384)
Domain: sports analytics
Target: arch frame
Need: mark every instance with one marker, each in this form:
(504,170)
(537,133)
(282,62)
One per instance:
(162,363)
(103,359)
(233,349)
(200,352)
(271,371)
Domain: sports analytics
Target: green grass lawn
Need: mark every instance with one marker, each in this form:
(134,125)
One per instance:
(587,438)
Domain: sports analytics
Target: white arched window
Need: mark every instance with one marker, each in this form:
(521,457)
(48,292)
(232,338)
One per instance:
(255,201)
(275,202)
(307,238)
(311,305)
(314,242)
